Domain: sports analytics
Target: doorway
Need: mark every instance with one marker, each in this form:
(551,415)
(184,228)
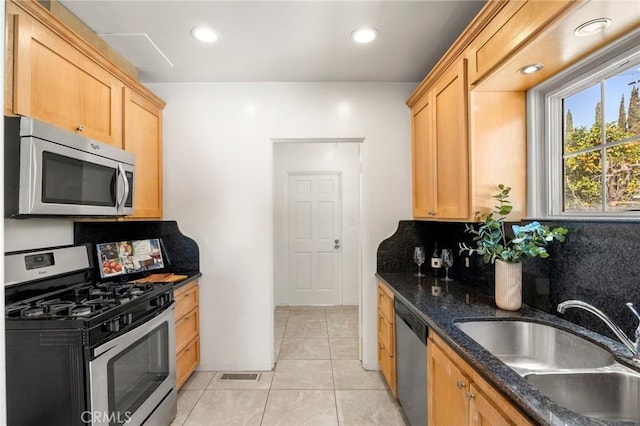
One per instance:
(299,160)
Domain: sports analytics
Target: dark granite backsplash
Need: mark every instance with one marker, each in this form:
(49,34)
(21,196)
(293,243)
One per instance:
(599,263)
(181,252)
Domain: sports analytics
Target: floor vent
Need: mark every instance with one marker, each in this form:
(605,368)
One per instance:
(240,376)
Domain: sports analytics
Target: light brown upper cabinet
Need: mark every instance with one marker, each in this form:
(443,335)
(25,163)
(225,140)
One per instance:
(58,84)
(469,121)
(143,137)
(423,157)
(440,148)
(53,74)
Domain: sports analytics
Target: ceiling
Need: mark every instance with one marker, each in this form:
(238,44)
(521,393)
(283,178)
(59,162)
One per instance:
(291,41)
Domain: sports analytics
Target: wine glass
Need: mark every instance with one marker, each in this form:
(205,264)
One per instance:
(447,262)
(419,258)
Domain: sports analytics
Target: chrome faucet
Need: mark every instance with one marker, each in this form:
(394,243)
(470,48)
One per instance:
(634,347)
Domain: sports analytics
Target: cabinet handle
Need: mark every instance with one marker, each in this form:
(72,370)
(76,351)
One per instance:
(80,129)
(459,384)
(432,213)
(470,396)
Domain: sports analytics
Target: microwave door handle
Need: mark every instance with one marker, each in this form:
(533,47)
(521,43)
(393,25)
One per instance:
(126,190)
(34,175)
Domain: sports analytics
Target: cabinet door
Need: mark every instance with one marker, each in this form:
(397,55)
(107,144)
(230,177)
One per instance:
(483,412)
(56,83)
(447,389)
(388,367)
(187,361)
(451,143)
(143,137)
(424,162)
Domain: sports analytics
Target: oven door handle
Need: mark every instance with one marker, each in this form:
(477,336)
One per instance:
(134,335)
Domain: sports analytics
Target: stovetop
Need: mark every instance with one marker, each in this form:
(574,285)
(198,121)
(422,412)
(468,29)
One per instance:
(51,292)
(83,301)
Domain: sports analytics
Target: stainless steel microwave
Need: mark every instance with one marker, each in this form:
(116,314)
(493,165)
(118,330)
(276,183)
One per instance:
(53,172)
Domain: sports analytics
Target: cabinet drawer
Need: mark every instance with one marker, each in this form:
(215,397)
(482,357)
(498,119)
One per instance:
(186,329)
(186,361)
(385,302)
(186,299)
(388,367)
(385,333)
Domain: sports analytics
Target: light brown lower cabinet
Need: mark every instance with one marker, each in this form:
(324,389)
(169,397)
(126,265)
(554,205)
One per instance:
(386,337)
(187,332)
(457,395)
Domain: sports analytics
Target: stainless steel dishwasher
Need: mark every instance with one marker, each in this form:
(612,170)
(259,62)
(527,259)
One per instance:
(411,364)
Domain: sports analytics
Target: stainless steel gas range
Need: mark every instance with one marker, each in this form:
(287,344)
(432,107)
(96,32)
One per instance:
(80,352)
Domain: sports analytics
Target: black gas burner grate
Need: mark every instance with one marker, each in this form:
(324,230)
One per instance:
(85,301)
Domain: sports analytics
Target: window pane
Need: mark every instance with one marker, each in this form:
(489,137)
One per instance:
(581,116)
(582,182)
(622,105)
(623,177)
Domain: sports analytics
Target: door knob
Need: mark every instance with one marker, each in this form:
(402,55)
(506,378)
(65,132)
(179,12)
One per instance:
(336,244)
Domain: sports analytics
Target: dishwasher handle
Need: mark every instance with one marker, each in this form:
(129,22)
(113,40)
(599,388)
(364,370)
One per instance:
(417,325)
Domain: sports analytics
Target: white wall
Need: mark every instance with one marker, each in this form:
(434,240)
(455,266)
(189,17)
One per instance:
(219,187)
(302,157)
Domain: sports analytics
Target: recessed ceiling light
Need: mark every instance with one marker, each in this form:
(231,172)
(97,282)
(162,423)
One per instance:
(364,35)
(592,27)
(530,69)
(204,34)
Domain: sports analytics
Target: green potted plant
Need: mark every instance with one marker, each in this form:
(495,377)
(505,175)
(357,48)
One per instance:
(493,244)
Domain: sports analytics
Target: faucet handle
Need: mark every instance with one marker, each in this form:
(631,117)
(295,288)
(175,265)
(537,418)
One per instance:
(633,309)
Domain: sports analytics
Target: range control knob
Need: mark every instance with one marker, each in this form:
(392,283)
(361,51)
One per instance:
(127,319)
(114,325)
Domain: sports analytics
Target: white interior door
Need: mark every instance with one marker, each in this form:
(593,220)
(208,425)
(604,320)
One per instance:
(315,226)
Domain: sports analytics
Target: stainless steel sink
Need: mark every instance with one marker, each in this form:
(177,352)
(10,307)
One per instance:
(528,346)
(610,396)
(572,371)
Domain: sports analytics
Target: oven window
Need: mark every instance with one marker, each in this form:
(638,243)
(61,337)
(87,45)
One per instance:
(70,181)
(138,371)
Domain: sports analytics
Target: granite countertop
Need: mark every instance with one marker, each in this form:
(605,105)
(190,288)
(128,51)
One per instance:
(458,303)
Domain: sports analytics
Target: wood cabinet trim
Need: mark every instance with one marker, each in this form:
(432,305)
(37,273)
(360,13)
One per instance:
(482,19)
(515,31)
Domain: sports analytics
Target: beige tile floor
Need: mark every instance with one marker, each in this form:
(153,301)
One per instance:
(318,380)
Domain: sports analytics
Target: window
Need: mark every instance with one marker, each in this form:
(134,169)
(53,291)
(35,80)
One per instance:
(584,138)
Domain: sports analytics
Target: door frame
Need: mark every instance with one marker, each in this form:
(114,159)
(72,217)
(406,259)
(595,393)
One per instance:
(277,214)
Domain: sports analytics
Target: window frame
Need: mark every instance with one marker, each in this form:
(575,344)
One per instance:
(545,199)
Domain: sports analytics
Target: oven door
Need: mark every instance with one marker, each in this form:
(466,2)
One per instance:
(58,180)
(134,375)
